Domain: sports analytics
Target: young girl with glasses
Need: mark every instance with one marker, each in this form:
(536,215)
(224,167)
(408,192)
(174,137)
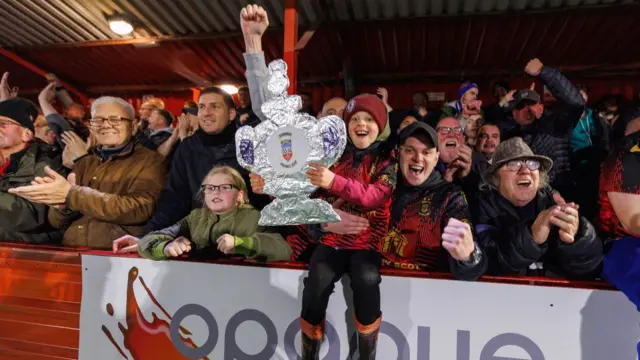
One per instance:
(226,221)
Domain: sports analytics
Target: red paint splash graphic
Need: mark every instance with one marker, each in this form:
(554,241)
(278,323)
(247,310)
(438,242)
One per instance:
(146,340)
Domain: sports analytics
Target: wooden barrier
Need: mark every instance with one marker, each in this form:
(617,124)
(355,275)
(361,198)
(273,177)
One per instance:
(41,291)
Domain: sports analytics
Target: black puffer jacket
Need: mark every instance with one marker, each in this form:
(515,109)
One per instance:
(551,134)
(504,232)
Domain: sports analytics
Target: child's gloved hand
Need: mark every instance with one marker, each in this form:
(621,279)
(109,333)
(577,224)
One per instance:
(226,244)
(177,247)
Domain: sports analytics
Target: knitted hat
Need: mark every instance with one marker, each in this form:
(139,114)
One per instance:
(370,104)
(21,111)
(466,86)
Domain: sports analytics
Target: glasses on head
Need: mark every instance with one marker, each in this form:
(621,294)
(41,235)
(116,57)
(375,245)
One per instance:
(114,121)
(210,189)
(448,130)
(516,165)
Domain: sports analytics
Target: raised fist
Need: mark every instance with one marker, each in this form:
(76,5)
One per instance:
(253,20)
(534,67)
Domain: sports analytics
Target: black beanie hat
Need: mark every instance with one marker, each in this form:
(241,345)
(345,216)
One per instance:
(21,111)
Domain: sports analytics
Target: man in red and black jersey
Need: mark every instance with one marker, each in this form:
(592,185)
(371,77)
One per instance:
(620,213)
(430,227)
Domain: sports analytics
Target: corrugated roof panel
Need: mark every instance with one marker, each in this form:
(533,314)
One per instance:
(68,21)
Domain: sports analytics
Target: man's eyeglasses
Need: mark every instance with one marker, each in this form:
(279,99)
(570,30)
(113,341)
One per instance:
(5,123)
(97,122)
(210,189)
(516,165)
(447,130)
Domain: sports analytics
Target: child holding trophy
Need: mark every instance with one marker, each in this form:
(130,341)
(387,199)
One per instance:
(362,182)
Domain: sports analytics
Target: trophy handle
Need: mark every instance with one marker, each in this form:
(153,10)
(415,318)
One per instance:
(245,147)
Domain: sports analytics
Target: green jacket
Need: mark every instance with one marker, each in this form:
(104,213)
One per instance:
(203,228)
(21,220)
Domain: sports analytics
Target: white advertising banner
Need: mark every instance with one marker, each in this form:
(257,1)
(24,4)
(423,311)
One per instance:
(145,310)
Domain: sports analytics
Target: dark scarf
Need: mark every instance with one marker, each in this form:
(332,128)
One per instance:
(106,153)
(405,194)
(226,136)
(359,154)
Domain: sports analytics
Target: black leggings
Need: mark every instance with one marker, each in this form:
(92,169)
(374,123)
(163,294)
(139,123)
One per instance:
(326,267)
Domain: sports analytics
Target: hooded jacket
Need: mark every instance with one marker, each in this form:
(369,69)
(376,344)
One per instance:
(504,231)
(203,228)
(419,215)
(365,179)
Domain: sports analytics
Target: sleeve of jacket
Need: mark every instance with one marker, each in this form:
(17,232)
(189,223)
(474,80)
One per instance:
(457,208)
(136,207)
(152,245)
(510,247)
(265,245)
(582,257)
(257,80)
(566,117)
(175,198)
(25,215)
(368,196)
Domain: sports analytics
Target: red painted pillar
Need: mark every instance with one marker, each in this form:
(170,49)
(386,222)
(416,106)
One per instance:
(196,93)
(290,40)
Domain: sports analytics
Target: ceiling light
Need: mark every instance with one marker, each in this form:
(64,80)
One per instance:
(230,89)
(120,26)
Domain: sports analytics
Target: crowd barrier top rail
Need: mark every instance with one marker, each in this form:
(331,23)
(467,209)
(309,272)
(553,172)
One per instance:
(41,293)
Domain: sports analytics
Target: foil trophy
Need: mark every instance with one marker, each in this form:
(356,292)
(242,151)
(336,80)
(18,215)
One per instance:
(280,148)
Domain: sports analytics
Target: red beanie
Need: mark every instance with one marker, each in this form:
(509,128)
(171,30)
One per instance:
(368,103)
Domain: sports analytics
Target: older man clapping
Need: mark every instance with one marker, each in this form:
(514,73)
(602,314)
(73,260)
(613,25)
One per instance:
(523,224)
(112,191)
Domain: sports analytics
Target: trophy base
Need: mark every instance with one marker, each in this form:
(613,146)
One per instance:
(297,211)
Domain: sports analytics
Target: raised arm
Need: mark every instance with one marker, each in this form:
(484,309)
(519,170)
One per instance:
(254,22)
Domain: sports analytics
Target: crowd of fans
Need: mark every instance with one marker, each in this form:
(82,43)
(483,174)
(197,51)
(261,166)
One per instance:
(512,188)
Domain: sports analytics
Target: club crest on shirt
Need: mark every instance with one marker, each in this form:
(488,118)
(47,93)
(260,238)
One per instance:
(425,208)
(394,242)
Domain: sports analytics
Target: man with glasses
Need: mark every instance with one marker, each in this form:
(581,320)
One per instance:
(549,134)
(456,158)
(22,159)
(113,189)
(525,227)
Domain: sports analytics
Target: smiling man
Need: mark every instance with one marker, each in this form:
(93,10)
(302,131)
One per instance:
(112,190)
(546,133)
(430,228)
(213,144)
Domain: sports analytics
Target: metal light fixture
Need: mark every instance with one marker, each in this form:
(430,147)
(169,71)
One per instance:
(230,89)
(120,25)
